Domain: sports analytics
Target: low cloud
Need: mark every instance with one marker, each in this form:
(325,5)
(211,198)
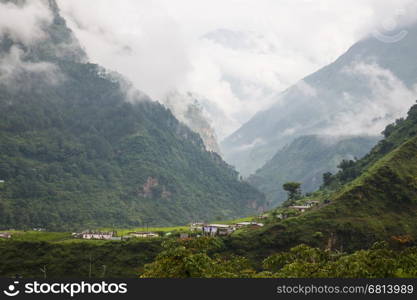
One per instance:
(389,99)
(18,74)
(238,55)
(24,23)
(133,38)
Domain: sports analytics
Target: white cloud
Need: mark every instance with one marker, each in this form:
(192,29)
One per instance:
(158,45)
(13,69)
(24,24)
(389,100)
(133,38)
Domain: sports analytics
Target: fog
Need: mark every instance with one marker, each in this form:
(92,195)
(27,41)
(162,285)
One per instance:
(236,55)
(24,24)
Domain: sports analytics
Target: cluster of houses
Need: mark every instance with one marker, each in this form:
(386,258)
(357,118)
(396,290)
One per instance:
(112,235)
(221,229)
(95,235)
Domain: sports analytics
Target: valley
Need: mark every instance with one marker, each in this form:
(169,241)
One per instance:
(100,180)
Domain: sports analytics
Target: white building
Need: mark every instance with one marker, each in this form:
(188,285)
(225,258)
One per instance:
(217,229)
(91,235)
(246,224)
(196,226)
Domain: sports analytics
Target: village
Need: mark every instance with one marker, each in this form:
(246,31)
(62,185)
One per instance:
(195,229)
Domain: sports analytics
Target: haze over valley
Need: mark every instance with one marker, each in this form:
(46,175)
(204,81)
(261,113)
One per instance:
(233,139)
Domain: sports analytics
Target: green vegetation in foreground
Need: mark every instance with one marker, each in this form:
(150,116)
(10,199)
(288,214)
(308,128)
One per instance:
(72,258)
(199,258)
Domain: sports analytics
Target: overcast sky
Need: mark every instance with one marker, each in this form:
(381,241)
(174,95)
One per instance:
(262,46)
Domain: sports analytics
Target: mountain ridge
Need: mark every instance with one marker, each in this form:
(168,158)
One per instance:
(373,200)
(82,149)
(368,74)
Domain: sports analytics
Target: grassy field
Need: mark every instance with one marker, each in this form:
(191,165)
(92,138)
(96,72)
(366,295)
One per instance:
(122,232)
(247,219)
(174,229)
(39,236)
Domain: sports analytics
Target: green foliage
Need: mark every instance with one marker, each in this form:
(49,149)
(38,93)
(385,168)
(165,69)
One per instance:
(182,260)
(305,160)
(294,192)
(395,134)
(198,258)
(306,262)
(293,189)
(71,259)
(191,258)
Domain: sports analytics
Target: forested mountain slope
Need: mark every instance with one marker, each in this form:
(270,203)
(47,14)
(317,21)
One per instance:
(79,148)
(305,160)
(374,199)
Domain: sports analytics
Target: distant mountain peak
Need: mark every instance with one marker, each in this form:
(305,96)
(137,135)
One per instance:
(365,89)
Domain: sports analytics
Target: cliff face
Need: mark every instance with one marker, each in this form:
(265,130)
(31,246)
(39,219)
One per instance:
(188,110)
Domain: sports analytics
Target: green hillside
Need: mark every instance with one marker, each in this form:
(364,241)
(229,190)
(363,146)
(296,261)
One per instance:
(79,149)
(380,203)
(305,160)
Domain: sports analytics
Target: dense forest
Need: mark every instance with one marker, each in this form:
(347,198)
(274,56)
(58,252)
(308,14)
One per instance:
(305,160)
(80,148)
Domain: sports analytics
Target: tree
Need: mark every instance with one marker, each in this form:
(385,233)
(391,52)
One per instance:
(346,164)
(294,191)
(389,130)
(327,178)
(349,170)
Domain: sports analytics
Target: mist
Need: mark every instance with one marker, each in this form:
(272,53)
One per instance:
(24,23)
(389,99)
(13,69)
(235,55)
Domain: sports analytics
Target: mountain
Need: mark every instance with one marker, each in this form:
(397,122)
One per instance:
(80,148)
(356,95)
(187,109)
(373,199)
(305,160)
